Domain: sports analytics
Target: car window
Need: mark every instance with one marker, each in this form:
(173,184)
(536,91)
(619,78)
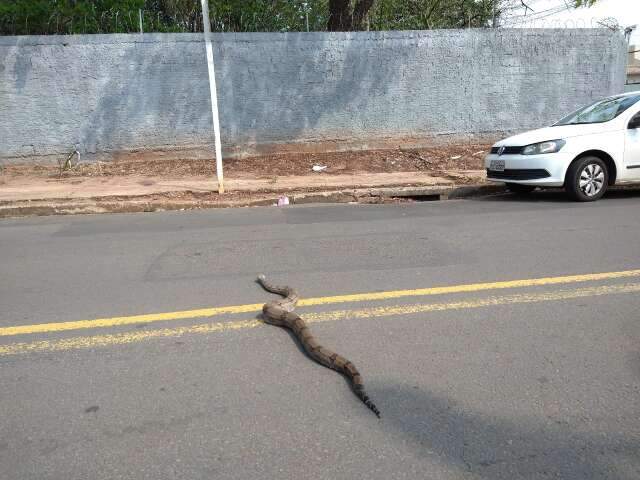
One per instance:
(600,111)
(635,121)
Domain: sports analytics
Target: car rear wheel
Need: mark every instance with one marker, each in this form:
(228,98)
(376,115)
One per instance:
(520,189)
(587,179)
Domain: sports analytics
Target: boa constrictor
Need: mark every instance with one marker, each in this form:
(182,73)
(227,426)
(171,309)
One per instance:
(280,313)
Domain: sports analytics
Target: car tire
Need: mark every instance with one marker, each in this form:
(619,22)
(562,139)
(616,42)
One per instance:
(520,189)
(587,179)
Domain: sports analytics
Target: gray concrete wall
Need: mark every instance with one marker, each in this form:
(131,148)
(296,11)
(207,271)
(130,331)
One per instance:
(112,94)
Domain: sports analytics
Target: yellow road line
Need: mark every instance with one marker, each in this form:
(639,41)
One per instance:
(358,297)
(133,319)
(385,311)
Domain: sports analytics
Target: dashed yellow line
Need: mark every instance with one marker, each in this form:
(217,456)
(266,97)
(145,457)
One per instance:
(121,338)
(385,311)
(358,297)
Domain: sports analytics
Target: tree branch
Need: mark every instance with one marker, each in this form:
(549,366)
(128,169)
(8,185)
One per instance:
(526,7)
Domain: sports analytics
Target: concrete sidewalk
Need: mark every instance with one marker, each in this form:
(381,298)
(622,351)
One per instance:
(40,188)
(34,195)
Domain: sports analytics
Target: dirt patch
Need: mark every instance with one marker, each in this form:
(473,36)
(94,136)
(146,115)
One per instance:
(436,160)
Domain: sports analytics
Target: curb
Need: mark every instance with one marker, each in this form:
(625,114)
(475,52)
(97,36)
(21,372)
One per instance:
(386,194)
(191,201)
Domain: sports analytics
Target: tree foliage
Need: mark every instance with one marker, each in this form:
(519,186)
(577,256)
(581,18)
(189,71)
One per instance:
(29,17)
(429,14)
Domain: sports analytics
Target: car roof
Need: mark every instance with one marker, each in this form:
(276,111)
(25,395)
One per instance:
(626,94)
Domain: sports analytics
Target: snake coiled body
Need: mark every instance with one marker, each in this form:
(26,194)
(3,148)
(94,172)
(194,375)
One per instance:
(280,313)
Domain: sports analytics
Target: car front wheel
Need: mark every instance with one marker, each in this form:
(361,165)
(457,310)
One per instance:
(587,179)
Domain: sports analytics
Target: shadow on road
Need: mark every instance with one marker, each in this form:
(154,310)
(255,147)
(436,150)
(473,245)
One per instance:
(499,448)
(557,195)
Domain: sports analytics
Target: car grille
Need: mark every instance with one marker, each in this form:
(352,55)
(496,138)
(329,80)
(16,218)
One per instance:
(507,150)
(519,174)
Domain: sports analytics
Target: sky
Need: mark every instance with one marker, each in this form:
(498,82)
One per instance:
(554,14)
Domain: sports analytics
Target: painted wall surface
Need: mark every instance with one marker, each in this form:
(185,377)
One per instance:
(111,94)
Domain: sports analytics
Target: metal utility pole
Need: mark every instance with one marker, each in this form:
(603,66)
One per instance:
(494,14)
(214,95)
(140,20)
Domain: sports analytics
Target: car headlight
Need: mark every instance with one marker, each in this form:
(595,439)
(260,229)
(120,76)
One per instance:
(552,146)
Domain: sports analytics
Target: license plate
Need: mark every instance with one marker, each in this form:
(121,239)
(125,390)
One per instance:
(497,165)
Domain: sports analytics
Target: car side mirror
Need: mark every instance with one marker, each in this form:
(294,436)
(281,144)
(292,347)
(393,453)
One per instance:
(634,122)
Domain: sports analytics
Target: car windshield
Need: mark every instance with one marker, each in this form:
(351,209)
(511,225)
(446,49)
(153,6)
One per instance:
(600,111)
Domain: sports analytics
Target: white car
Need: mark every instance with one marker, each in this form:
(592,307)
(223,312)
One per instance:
(585,152)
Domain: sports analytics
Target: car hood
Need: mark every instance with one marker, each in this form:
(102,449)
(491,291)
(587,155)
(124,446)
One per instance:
(555,133)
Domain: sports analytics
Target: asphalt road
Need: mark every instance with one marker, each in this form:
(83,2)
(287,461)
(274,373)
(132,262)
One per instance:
(488,379)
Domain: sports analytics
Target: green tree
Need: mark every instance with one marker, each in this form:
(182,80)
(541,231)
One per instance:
(30,17)
(33,17)
(429,14)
